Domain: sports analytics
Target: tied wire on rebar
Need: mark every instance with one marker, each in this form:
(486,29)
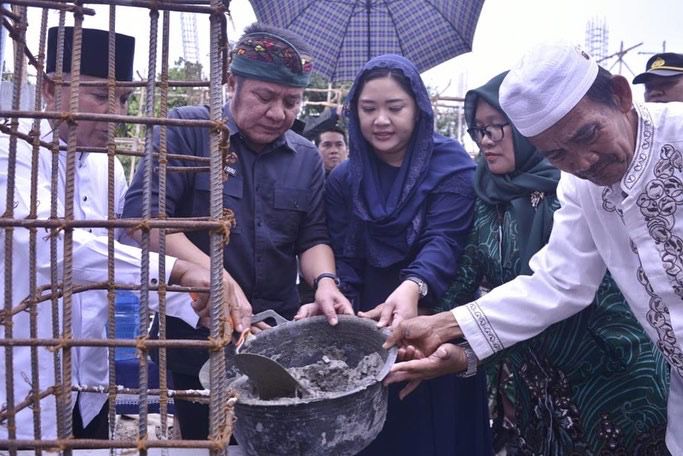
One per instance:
(64,284)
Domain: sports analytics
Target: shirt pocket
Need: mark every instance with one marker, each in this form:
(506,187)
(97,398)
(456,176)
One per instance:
(232,198)
(290,207)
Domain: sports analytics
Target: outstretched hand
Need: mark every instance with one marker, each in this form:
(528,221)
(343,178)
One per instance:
(192,275)
(422,333)
(400,305)
(329,301)
(447,358)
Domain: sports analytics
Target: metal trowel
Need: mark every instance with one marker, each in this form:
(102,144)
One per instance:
(269,377)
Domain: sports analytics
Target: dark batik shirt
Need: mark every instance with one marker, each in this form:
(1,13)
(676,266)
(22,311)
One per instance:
(276,196)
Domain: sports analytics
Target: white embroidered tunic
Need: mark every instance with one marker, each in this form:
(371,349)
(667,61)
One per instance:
(633,228)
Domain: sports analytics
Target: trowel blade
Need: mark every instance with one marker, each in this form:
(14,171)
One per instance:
(269,377)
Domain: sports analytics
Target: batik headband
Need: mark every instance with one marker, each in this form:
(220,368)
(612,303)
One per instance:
(268,57)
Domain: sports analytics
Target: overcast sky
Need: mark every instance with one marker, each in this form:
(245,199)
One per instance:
(506,28)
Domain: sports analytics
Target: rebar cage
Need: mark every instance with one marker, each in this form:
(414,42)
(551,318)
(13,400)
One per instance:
(54,229)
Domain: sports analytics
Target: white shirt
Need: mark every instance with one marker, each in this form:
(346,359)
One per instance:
(633,228)
(90,364)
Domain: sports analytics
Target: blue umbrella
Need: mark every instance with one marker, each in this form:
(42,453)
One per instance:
(344,34)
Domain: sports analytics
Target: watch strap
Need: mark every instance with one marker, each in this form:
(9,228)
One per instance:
(421,285)
(325,275)
(472,361)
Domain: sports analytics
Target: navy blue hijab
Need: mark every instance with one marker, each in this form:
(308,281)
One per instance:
(392,224)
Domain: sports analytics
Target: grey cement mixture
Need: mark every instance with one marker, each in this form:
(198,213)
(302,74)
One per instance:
(328,377)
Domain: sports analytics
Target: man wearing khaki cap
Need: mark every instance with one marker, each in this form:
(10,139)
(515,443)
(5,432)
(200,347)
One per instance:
(663,78)
(621,195)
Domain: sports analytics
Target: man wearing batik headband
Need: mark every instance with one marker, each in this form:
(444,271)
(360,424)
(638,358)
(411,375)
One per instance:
(621,195)
(274,188)
(90,261)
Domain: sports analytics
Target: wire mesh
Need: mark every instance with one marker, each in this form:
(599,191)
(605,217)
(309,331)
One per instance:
(42,327)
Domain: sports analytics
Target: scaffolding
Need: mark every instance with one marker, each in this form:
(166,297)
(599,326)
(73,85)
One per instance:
(190,37)
(54,301)
(597,38)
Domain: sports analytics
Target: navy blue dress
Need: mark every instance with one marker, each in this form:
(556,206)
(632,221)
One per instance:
(444,416)
(389,223)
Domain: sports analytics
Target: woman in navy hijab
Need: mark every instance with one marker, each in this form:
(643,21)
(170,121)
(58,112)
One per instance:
(398,212)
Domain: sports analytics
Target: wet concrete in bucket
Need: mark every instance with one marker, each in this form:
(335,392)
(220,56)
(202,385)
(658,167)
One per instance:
(330,376)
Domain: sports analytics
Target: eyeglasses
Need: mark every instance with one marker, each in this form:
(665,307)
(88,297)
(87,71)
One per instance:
(494,132)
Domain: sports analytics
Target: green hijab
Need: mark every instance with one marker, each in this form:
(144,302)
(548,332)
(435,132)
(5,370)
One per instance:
(532,173)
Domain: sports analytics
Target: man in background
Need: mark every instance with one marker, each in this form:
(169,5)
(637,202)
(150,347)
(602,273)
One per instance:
(663,78)
(332,145)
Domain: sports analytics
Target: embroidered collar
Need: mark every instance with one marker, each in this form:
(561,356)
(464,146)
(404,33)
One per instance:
(643,151)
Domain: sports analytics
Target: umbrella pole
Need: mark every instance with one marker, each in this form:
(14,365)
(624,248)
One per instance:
(367,20)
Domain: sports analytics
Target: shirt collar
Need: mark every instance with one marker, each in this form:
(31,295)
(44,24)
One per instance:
(642,153)
(280,143)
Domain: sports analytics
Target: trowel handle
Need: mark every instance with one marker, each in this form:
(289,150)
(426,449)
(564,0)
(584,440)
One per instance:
(266,314)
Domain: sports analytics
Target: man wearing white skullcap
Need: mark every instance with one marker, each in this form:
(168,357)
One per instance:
(621,197)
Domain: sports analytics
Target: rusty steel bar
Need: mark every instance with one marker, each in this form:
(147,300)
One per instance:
(25,304)
(145,120)
(35,368)
(11,15)
(146,214)
(15,36)
(156,5)
(75,8)
(193,224)
(111,215)
(218,424)
(142,343)
(163,162)
(100,150)
(9,231)
(54,204)
(142,445)
(69,192)
(63,341)
(143,83)
(200,396)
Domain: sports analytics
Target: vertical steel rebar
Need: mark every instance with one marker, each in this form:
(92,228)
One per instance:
(146,213)
(163,162)
(64,307)
(35,368)
(217,420)
(69,191)
(111,215)
(58,78)
(9,232)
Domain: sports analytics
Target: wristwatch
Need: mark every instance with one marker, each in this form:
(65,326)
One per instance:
(325,275)
(421,285)
(472,361)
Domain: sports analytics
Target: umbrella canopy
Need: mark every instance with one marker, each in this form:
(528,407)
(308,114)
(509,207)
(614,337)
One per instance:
(345,34)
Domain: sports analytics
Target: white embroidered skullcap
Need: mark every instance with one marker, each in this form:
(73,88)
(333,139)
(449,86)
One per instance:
(545,85)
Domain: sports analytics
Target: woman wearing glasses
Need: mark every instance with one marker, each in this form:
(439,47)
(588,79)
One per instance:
(398,212)
(593,384)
